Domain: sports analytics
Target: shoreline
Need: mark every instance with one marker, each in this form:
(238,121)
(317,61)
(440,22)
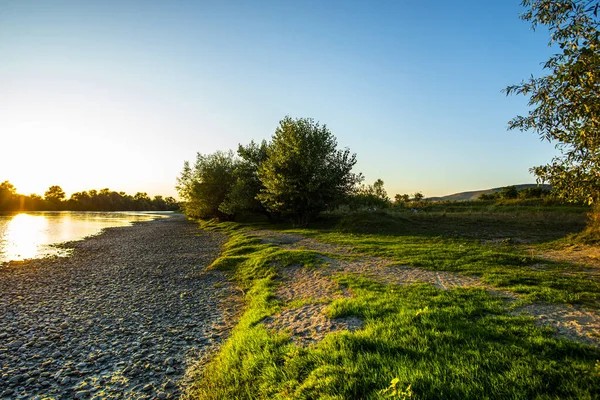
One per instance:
(123,316)
(63,246)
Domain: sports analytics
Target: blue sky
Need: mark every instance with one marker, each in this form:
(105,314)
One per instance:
(119,94)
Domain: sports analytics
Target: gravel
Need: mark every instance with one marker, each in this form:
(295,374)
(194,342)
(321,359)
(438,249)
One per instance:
(122,317)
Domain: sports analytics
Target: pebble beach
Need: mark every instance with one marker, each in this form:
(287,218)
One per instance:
(122,317)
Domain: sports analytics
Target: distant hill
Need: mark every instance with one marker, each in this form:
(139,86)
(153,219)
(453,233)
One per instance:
(465,196)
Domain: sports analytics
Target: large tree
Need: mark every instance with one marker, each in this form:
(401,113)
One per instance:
(565,104)
(55,197)
(303,171)
(205,186)
(247,185)
(8,196)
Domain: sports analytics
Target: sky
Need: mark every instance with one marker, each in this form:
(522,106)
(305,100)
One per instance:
(118,94)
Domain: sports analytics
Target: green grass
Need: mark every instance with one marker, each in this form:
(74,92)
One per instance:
(500,266)
(486,245)
(424,342)
(531,224)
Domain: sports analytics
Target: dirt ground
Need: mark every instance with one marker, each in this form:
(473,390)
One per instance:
(314,289)
(587,258)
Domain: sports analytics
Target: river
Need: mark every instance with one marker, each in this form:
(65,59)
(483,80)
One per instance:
(32,234)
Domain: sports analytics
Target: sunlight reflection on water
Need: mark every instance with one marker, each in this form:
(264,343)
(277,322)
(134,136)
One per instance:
(30,235)
(24,235)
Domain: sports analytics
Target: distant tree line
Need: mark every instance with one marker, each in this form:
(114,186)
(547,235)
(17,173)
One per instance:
(55,199)
(511,192)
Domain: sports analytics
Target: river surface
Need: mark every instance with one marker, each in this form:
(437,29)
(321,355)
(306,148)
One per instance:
(32,234)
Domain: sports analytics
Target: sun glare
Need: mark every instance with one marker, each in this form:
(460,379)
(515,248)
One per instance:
(25,236)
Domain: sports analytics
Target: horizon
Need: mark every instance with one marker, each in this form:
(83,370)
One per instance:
(152,195)
(118,96)
(68,194)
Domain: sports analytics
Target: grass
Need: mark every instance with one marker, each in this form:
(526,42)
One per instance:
(500,266)
(418,342)
(499,248)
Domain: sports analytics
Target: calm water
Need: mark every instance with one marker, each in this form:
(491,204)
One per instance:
(31,234)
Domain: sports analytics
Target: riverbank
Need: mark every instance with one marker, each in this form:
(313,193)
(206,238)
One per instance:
(122,317)
(407,305)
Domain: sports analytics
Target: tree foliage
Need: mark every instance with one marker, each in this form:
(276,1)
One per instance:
(509,192)
(92,200)
(54,194)
(379,191)
(205,187)
(512,192)
(8,195)
(401,199)
(370,197)
(418,196)
(296,175)
(303,171)
(243,194)
(566,102)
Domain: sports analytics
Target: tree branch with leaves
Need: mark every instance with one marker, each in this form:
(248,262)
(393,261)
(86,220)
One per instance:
(565,104)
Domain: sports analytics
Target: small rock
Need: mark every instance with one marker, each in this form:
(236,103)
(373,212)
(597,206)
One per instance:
(169,361)
(15,344)
(82,394)
(148,388)
(170,370)
(169,384)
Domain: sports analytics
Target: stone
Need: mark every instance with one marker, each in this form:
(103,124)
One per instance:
(169,361)
(15,344)
(147,388)
(82,394)
(169,384)
(82,322)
